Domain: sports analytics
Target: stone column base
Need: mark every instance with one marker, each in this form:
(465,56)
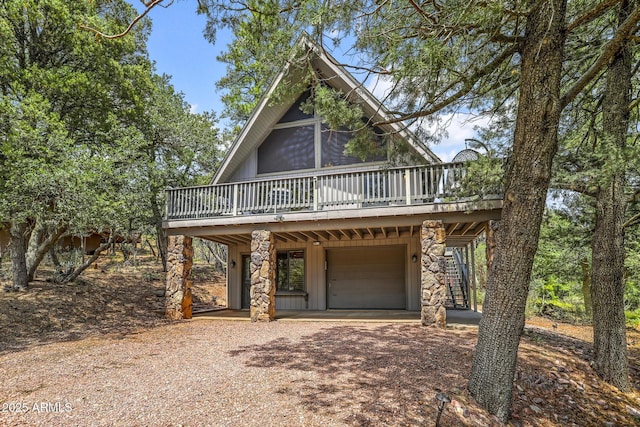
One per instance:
(263,276)
(178,288)
(433,274)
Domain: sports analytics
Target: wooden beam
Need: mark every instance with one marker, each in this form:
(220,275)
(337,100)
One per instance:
(292,236)
(310,235)
(384,232)
(280,238)
(223,240)
(322,234)
(335,236)
(411,231)
(451,228)
(479,211)
(345,234)
(301,236)
(358,232)
(373,235)
(238,238)
(468,227)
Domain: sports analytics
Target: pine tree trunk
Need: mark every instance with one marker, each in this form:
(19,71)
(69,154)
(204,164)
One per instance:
(586,288)
(528,176)
(18,233)
(607,280)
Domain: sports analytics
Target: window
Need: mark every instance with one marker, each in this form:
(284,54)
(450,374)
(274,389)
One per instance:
(287,149)
(334,144)
(300,141)
(290,271)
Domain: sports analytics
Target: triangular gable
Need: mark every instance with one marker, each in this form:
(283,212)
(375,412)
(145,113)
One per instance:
(265,115)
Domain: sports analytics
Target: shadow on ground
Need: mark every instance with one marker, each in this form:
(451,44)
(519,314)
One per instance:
(383,375)
(389,375)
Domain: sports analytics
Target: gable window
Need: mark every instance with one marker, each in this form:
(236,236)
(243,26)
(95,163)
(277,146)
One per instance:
(300,141)
(287,149)
(333,145)
(290,271)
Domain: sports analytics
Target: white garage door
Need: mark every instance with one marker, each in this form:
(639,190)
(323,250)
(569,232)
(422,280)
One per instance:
(366,278)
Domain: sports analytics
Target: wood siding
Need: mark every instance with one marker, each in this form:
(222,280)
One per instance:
(316,275)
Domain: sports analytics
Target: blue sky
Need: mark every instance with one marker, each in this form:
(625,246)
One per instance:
(179,49)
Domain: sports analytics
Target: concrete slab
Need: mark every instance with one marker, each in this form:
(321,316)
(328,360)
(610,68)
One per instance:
(455,318)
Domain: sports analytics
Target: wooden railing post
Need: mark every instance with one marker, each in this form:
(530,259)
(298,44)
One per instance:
(407,184)
(235,199)
(169,202)
(315,193)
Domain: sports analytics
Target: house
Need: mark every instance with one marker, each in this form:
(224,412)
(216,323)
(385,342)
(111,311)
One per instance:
(311,228)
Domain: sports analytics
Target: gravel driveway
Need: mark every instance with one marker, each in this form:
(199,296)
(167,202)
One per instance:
(225,373)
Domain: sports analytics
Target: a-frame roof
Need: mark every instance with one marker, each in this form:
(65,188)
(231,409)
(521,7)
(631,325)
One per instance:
(266,114)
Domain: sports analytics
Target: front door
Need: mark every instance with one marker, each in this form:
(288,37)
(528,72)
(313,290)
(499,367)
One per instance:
(246,281)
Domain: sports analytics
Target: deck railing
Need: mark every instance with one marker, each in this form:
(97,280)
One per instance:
(361,189)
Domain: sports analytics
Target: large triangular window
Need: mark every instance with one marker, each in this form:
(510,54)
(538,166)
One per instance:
(300,141)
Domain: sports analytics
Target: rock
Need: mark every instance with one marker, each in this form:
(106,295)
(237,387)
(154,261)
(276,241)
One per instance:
(535,409)
(432,280)
(263,277)
(633,411)
(538,400)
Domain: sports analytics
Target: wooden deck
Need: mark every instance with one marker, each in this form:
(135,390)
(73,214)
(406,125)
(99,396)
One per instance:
(442,183)
(361,205)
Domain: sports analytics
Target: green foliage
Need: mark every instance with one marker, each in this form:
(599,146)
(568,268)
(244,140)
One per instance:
(562,301)
(90,135)
(436,57)
(484,176)
(632,318)
(556,287)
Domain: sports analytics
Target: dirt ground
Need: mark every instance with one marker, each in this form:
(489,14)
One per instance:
(554,384)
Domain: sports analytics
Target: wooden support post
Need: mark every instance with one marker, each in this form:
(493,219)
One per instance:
(473,276)
(467,285)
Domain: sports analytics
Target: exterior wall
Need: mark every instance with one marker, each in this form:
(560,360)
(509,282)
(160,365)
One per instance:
(247,170)
(315,273)
(234,276)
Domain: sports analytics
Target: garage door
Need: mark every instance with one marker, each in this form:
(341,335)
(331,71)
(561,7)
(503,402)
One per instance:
(366,278)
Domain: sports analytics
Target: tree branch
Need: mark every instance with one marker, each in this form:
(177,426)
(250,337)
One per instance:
(467,86)
(632,221)
(74,274)
(149,4)
(611,48)
(591,14)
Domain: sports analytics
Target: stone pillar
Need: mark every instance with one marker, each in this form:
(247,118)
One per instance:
(178,287)
(263,276)
(433,291)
